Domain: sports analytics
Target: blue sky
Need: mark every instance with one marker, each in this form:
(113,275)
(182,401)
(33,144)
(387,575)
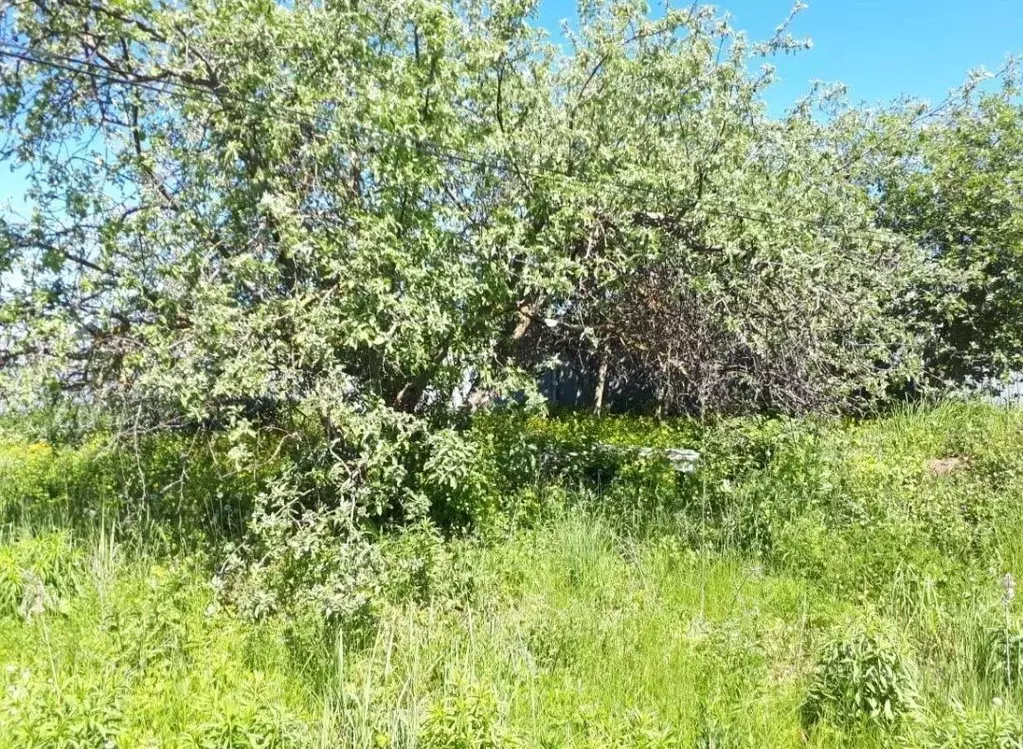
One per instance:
(880,48)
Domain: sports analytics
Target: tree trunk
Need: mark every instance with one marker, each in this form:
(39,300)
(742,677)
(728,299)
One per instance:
(598,395)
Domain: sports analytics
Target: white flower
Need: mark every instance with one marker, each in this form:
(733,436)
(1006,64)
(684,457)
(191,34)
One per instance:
(1009,588)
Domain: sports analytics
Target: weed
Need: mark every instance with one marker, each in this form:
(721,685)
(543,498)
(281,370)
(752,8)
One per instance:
(863,675)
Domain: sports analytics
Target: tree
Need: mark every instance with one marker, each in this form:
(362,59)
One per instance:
(952,185)
(307,225)
(719,259)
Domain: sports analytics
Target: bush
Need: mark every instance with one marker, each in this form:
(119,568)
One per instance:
(297,558)
(470,718)
(41,484)
(555,639)
(36,572)
(179,489)
(635,729)
(84,709)
(246,719)
(863,676)
(960,728)
(138,656)
(715,735)
(791,491)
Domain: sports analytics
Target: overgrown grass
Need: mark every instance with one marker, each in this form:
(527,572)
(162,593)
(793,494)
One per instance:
(812,585)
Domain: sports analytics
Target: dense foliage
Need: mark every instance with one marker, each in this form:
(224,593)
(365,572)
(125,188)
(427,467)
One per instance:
(259,220)
(809,585)
(292,280)
(954,190)
(326,232)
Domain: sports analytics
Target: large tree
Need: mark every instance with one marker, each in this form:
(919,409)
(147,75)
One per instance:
(949,178)
(721,259)
(314,223)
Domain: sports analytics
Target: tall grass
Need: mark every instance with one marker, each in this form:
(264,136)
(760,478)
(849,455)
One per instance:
(878,610)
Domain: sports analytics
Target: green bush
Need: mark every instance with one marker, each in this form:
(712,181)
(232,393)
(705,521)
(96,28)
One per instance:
(469,718)
(138,656)
(41,484)
(178,489)
(863,676)
(790,491)
(960,728)
(246,719)
(713,734)
(84,709)
(36,573)
(554,640)
(609,603)
(632,729)
(758,477)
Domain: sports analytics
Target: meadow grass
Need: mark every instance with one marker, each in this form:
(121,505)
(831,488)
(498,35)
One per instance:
(881,613)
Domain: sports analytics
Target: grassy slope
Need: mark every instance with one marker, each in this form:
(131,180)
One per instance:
(571,633)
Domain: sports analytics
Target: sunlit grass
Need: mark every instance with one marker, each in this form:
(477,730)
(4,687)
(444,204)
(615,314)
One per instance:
(578,632)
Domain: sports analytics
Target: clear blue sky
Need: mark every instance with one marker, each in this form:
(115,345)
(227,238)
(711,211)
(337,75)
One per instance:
(880,48)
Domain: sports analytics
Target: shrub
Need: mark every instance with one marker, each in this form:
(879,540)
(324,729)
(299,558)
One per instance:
(41,567)
(470,718)
(633,729)
(41,484)
(713,734)
(84,709)
(138,657)
(419,565)
(863,676)
(294,559)
(24,470)
(458,479)
(246,719)
(554,640)
(187,491)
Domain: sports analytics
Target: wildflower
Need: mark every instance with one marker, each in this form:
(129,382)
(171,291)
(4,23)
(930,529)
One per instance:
(1008,588)
(36,598)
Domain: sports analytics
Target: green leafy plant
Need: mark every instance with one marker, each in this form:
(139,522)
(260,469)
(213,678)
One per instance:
(36,572)
(1001,655)
(863,676)
(470,718)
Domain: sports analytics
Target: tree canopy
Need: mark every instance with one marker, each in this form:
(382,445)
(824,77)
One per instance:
(351,206)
